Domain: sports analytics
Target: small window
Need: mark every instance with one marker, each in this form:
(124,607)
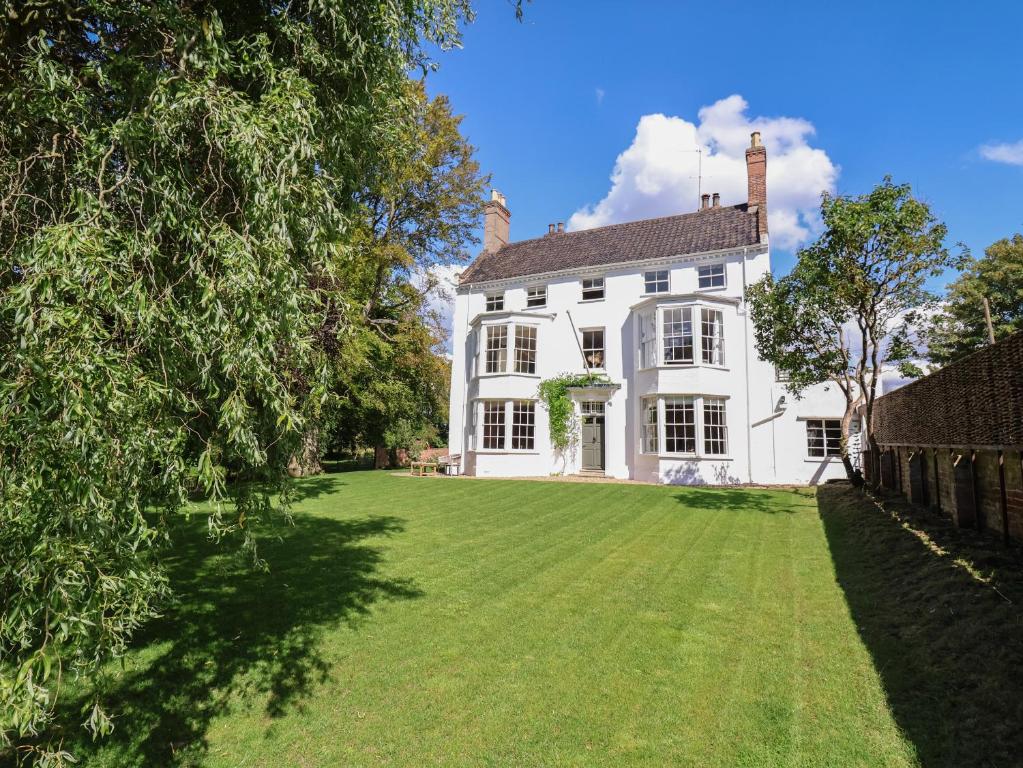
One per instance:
(536,296)
(525,349)
(715,430)
(493,425)
(780,375)
(523,425)
(823,437)
(677,334)
(592,408)
(712,276)
(656,281)
(593,347)
(679,425)
(712,332)
(497,349)
(593,288)
(495,302)
(649,437)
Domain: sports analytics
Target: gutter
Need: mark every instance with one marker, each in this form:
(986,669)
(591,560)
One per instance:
(749,415)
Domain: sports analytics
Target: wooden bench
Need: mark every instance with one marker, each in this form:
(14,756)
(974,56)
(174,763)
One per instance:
(423,468)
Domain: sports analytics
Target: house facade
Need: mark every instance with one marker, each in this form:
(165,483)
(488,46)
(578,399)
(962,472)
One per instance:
(656,308)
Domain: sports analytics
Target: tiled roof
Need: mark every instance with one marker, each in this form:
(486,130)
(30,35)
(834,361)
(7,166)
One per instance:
(711,229)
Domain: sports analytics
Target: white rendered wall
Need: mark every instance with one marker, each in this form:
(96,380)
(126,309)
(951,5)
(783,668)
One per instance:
(766,442)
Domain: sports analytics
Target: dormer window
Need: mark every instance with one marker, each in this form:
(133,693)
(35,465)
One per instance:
(536,296)
(593,288)
(656,281)
(495,302)
(711,276)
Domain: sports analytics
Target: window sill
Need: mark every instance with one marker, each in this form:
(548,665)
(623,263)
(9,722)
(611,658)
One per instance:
(690,457)
(821,459)
(591,301)
(508,373)
(535,306)
(712,288)
(505,451)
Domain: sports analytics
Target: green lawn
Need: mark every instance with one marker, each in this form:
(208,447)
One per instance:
(414,622)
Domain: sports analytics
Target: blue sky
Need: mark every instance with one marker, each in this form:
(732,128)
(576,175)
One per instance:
(911,89)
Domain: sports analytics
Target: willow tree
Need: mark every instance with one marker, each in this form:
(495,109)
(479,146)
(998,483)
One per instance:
(175,178)
(845,310)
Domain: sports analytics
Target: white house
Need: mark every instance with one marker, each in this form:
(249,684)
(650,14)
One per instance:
(657,306)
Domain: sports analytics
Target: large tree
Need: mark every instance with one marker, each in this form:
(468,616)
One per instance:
(843,311)
(179,189)
(960,328)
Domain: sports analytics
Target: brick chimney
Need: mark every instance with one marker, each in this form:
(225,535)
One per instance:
(496,222)
(756,177)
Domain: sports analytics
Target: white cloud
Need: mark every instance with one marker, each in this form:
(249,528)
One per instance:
(1010,154)
(440,283)
(657,174)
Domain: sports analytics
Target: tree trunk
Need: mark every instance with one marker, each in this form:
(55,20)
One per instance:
(855,475)
(307,461)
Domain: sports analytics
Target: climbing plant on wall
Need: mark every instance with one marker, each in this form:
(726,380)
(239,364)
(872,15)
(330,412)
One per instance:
(553,393)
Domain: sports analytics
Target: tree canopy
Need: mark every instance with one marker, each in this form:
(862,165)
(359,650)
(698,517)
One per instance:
(842,313)
(959,328)
(181,193)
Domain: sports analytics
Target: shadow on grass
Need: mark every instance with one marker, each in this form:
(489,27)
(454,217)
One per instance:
(237,633)
(941,612)
(737,499)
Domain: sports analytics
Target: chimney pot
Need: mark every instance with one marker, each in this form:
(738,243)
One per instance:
(754,139)
(716,200)
(550,229)
(704,201)
(561,226)
(496,222)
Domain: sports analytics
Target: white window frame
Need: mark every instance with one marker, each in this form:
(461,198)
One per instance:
(656,281)
(536,296)
(649,431)
(714,432)
(647,342)
(495,302)
(500,423)
(526,349)
(513,422)
(685,317)
(680,405)
(655,441)
(712,345)
(602,348)
(500,354)
(523,425)
(711,273)
(596,286)
(825,448)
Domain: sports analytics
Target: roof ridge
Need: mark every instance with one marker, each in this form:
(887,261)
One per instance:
(737,206)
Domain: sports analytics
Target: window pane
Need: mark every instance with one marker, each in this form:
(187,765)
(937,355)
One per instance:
(713,336)
(824,437)
(523,425)
(525,349)
(712,276)
(593,288)
(495,302)
(536,297)
(593,347)
(715,430)
(493,424)
(649,436)
(647,341)
(678,336)
(592,407)
(656,281)
(679,425)
(497,349)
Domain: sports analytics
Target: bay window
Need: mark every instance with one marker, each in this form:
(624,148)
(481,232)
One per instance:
(497,349)
(669,425)
(647,340)
(712,332)
(493,424)
(679,425)
(507,425)
(525,349)
(649,425)
(715,430)
(677,335)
